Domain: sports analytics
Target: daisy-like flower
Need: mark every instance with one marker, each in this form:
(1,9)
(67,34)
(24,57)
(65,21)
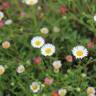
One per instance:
(80,52)
(35,87)
(6,44)
(2,70)
(8,22)
(1,15)
(20,69)
(37,42)
(48,50)
(30,2)
(44,30)
(62,92)
(94,17)
(57,64)
(90,90)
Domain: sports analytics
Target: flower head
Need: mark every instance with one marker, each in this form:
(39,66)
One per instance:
(62,92)
(2,70)
(1,15)
(37,60)
(90,90)
(79,52)
(6,44)
(48,50)
(30,2)
(1,23)
(54,93)
(37,42)
(20,69)
(57,64)
(35,87)
(90,44)
(48,81)
(94,17)
(8,22)
(6,5)
(69,58)
(44,30)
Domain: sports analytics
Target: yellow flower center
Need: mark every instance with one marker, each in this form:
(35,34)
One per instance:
(34,87)
(48,50)
(37,43)
(90,91)
(62,93)
(79,53)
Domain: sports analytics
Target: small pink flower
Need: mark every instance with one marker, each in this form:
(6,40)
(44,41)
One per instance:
(1,24)
(63,10)
(90,45)
(6,5)
(37,60)
(69,58)
(48,81)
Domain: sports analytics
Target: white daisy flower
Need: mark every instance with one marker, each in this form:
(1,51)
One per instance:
(57,64)
(90,90)
(94,17)
(62,92)
(30,2)
(20,69)
(48,50)
(37,42)
(8,22)
(44,30)
(2,70)
(1,15)
(35,87)
(79,52)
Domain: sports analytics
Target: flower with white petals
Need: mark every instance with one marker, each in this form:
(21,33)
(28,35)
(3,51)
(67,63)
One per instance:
(8,22)
(44,30)
(2,70)
(20,69)
(48,50)
(35,87)
(80,52)
(94,17)
(1,15)
(30,2)
(57,64)
(90,90)
(62,92)
(37,42)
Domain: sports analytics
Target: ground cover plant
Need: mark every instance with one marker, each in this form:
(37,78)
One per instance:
(47,47)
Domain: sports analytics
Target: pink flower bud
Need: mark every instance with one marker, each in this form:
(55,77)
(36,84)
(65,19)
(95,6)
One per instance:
(6,5)
(37,60)
(69,58)
(63,10)
(1,24)
(48,81)
(90,45)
